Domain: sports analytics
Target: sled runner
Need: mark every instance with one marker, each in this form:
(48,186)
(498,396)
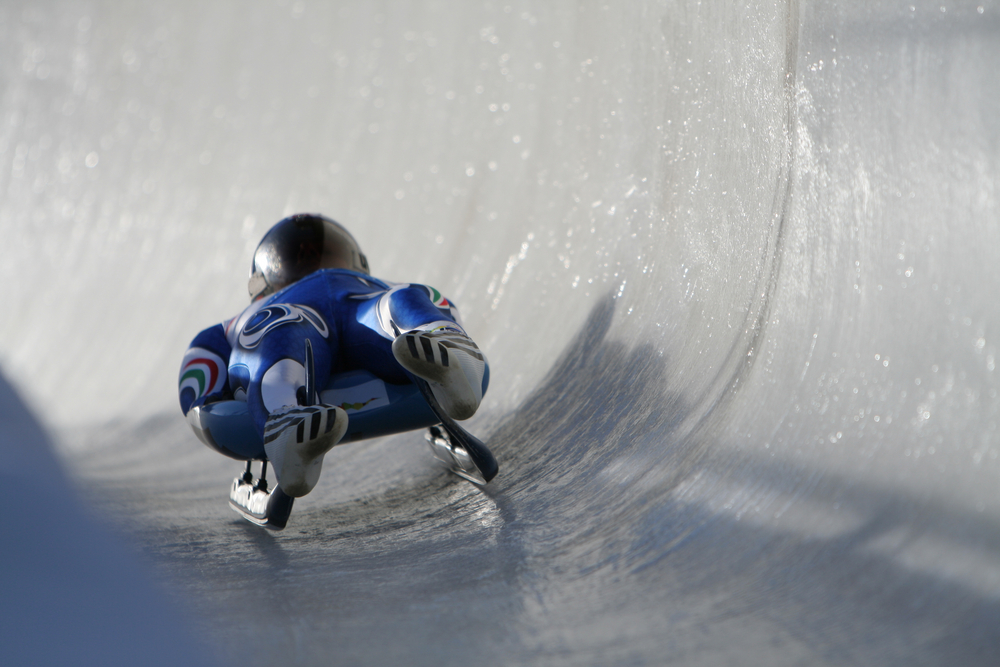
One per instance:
(466,455)
(254,502)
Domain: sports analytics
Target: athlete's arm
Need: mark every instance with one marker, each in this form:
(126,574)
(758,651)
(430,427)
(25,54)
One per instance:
(204,375)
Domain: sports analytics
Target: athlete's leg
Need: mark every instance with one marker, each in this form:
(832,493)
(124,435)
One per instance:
(295,437)
(429,342)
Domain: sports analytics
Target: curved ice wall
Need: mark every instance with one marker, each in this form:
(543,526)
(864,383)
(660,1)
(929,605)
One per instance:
(530,164)
(734,264)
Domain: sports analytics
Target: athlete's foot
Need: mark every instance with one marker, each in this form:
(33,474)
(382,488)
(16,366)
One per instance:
(296,439)
(450,361)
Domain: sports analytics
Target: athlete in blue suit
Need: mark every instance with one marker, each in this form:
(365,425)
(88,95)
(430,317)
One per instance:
(310,281)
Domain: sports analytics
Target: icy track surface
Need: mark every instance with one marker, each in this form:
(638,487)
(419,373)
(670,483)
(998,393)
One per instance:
(735,266)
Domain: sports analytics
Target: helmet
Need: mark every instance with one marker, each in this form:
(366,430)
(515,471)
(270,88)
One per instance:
(298,245)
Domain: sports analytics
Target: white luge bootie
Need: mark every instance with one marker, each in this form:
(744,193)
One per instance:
(450,361)
(296,438)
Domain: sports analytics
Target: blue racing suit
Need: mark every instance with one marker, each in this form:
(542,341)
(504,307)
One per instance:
(350,318)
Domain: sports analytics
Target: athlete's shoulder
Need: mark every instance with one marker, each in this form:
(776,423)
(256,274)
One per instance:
(234,326)
(330,283)
(354,280)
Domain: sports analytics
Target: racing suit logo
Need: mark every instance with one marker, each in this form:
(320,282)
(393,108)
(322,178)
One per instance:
(268,318)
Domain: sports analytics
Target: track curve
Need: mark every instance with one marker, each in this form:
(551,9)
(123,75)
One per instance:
(733,266)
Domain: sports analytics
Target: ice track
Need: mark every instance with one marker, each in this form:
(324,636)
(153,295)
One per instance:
(734,265)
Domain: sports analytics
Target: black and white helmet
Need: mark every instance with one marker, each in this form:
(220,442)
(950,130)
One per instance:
(299,245)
